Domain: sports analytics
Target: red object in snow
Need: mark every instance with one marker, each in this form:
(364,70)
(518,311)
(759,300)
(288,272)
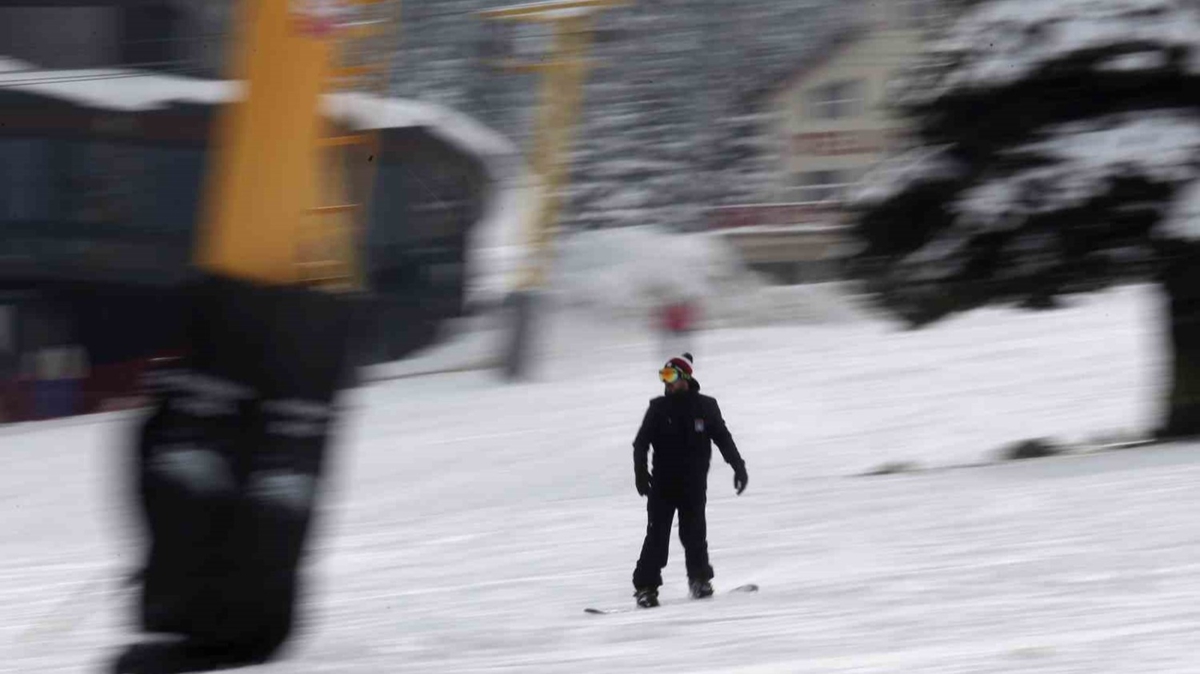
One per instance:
(678,317)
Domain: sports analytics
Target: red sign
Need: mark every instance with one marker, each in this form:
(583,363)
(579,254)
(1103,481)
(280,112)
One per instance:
(838,143)
(320,18)
(752,215)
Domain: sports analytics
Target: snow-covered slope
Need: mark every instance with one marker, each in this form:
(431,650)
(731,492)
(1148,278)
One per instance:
(469,522)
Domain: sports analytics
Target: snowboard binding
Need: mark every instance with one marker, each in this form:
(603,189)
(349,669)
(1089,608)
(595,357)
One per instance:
(647,597)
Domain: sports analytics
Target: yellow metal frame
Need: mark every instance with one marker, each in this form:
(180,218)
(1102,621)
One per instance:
(333,245)
(277,203)
(560,103)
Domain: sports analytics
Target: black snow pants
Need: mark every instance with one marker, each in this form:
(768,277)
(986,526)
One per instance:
(689,497)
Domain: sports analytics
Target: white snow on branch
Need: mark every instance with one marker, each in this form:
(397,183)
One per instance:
(1081,161)
(898,174)
(1076,163)
(1135,61)
(937,260)
(1162,143)
(1183,219)
(370,112)
(1001,43)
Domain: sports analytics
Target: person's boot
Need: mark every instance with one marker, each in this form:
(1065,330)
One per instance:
(647,597)
(700,589)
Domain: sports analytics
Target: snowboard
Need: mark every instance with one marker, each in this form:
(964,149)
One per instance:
(741,589)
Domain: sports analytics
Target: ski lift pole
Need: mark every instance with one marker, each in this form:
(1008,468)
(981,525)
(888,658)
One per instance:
(559,107)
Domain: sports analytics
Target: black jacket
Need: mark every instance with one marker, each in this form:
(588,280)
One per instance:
(682,428)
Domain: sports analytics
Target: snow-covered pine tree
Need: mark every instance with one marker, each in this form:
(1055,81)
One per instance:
(1060,153)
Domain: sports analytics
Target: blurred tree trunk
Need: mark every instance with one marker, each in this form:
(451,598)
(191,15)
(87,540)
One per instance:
(1181,283)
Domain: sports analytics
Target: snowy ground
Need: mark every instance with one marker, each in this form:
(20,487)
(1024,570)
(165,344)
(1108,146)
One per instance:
(470,522)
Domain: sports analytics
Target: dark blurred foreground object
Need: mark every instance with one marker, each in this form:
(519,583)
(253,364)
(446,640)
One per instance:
(1057,151)
(229,468)
(174,657)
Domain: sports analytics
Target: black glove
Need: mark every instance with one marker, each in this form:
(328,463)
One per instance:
(642,480)
(740,478)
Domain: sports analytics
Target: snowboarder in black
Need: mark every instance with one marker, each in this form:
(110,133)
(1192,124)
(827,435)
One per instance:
(681,426)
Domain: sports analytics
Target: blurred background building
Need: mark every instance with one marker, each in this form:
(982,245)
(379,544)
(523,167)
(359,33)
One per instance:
(164,35)
(105,114)
(830,112)
(747,122)
(827,120)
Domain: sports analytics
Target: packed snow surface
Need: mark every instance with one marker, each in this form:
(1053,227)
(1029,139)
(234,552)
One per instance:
(469,522)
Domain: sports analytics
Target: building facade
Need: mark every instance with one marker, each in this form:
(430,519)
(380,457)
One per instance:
(830,125)
(830,116)
(180,36)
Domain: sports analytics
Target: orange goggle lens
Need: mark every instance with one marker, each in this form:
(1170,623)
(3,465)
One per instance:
(669,375)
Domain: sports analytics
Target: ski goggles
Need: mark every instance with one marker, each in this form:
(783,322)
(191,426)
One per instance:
(669,375)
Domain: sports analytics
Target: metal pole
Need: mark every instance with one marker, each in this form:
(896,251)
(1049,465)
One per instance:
(559,108)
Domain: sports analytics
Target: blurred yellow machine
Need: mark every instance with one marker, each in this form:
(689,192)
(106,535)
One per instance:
(277,206)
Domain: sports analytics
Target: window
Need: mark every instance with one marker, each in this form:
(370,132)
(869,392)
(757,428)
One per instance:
(174,178)
(107,183)
(25,180)
(829,185)
(837,100)
(8,338)
(531,40)
(919,14)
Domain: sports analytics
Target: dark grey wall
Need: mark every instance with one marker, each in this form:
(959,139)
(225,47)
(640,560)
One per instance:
(61,37)
(183,36)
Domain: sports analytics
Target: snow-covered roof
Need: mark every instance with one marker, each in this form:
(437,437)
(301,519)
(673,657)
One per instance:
(999,43)
(9,64)
(119,89)
(135,90)
(132,90)
(1083,159)
(371,112)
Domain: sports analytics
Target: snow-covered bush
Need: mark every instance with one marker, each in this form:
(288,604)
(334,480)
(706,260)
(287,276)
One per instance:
(629,273)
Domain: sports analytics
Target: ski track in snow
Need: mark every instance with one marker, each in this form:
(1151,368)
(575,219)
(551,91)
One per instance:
(468,522)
